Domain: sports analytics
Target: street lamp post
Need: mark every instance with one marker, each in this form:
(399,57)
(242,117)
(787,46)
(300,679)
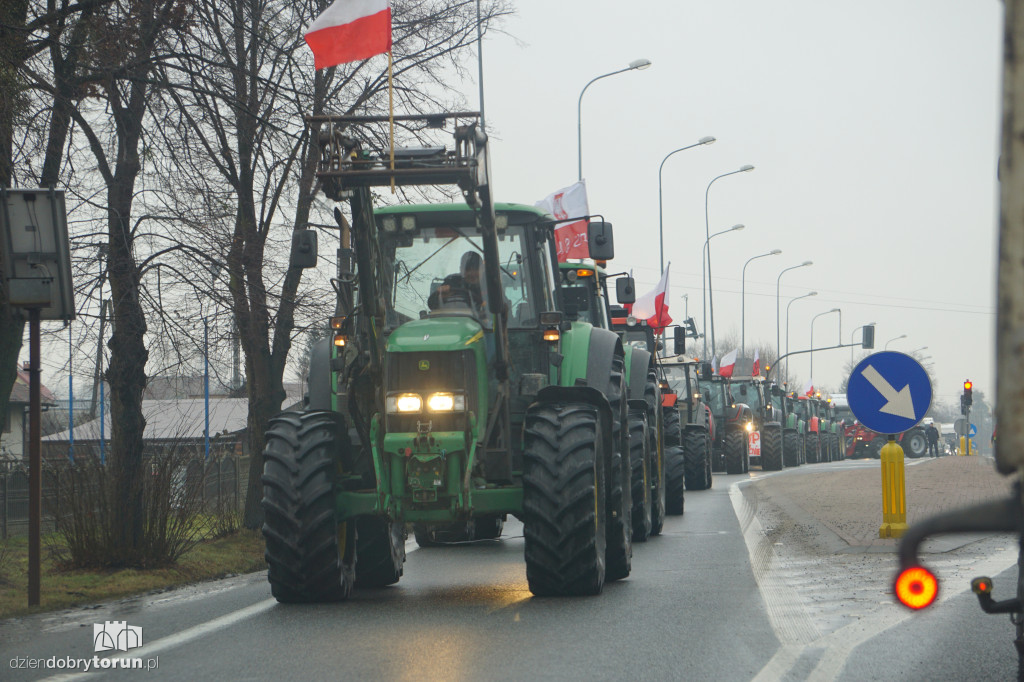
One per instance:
(834,310)
(635,65)
(897,338)
(812,293)
(711,297)
(661,233)
(743,299)
(703,260)
(778,326)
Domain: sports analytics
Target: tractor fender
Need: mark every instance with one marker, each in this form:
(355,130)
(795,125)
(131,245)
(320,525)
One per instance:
(711,420)
(638,361)
(604,344)
(318,396)
(579,394)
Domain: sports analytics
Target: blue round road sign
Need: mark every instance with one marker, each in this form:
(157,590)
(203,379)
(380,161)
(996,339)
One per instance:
(973,431)
(889,392)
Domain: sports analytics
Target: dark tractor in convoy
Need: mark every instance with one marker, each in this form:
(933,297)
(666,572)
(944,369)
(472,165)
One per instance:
(733,423)
(754,392)
(688,423)
(454,390)
(584,285)
(793,426)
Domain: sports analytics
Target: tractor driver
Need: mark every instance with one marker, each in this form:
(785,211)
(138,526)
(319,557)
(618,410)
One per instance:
(463,285)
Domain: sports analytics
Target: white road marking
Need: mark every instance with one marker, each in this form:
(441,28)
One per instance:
(183,637)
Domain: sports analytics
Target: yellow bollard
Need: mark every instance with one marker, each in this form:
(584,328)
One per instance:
(894,491)
(963,448)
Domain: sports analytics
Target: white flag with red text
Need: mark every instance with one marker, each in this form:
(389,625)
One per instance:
(571,236)
(653,306)
(728,364)
(349,30)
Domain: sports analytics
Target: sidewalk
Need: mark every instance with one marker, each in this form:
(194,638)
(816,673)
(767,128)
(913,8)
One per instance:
(849,502)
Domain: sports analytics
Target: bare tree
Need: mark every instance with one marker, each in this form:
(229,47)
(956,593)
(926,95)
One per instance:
(242,87)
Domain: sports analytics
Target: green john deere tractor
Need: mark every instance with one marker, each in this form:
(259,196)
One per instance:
(453,391)
(584,289)
(767,421)
(793,427)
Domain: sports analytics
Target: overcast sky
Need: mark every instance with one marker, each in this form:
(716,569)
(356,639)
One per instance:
(873,127)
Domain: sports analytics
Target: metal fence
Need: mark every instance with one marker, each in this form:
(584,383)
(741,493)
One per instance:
(222,481)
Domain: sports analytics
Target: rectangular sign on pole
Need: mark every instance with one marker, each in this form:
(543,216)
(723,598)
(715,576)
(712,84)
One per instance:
(37,258)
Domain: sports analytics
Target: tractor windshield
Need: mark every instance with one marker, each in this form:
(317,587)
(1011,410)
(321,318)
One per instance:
(441,271)
(676,376)
(719,398)
(751,397)
(636,338)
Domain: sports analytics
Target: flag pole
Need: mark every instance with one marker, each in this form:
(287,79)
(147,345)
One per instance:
(391,120)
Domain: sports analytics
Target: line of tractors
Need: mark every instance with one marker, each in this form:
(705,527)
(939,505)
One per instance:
(469,375)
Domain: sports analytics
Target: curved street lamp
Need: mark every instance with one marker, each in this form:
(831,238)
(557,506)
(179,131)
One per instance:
(635,65)
(743,299)
(813,293)
(704,257)
(897,338)
(661,233)
(711,297)
(834,310)
(778,326)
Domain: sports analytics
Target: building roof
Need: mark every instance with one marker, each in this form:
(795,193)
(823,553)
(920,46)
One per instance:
(170,420)
(19,393)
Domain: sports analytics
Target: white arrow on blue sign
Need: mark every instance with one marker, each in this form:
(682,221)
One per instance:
(973,432)
(889,392)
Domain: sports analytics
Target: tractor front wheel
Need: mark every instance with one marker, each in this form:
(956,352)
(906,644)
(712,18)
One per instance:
(791,448)
(735,451)
(310,555)
(639,463)
(771,447)
(697,477)
(564,501)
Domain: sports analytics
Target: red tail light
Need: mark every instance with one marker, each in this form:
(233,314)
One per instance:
(916,587)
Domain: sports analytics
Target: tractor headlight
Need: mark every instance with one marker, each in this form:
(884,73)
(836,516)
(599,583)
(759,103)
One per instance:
(750,427)
(398,403)
(447,402)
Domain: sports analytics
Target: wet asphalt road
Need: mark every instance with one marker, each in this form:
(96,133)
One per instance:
(691,610)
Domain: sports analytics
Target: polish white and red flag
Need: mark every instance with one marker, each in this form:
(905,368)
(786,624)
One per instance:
(809,388)
(728,364)
(571,235)
(653,306)
(755,370)
(348,31)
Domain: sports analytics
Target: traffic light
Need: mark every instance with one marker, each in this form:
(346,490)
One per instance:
(868,339)
(968,398)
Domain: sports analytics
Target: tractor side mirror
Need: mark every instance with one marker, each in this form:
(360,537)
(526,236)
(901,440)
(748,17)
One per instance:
(679,340)
(867,341)
(625,290)
(743,390)
(599,240)
(303,249)
(705,371)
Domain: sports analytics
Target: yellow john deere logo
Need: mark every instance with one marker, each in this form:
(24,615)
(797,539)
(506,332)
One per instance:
(424,365)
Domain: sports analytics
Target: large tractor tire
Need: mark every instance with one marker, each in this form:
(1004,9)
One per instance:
(489,527)
(657,438)
(698,470)
(839,443)
(811,447)
(707,460)
(791,448)
(380,551)
(310,555)
(672,425)
(564,496)
(435,535)
(771,447)
(735,451)
(639,463)
(675,480)
(619,524)
(914,443)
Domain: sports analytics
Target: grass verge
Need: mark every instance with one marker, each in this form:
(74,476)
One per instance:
(239,552)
